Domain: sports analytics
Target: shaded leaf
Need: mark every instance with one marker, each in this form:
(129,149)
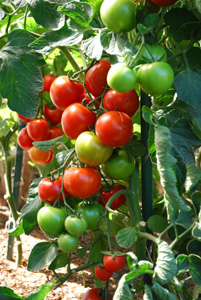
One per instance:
(123,291)
(196,231)
(92,47)
(147,293)
(157,223)
(182,264)
(8,294)
(126,237)
(48,144)
(59,262)
(193,176)
(195,268)
(17,231)
(162,293)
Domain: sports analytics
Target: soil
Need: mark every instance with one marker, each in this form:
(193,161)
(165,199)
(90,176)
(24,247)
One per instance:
(23,282)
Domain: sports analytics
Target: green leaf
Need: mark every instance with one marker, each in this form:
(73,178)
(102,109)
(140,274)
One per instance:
(147,115)
(82,251)
(126,237)
(162,293)
(194,247)
(135,148)
(194,6)
(123,291)
(17,231)
(193,177)
(186,219)
(64,157)
(96,4)
(196,199)
(8,294)
(48,144)
(152,20)
(20,78)
(19,3)
(99,245)
(187,84)
(196,231)
(157,223)
(48,41)
(59,262)
(195,268)
(42,254)
(80,13)
(147,293)
(92,47)
(2,13)
(141,268)
(182,264)
(117,222)
(53,18)
(166,266)
(40,294)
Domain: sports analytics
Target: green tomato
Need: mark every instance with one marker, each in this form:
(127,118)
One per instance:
(151,53)
(118,15)
(156,78)
(75,225)
(121,78)
(91,213)
(67,242)
(51,220)
(90,150)
(120,165)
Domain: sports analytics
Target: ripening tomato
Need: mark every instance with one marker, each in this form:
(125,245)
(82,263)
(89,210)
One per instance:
(75,225)
(164,3)
(77,118)
(51,157)
(24,140)
(118,15)
(48,79)
(52,114)
(124,102)
(38,129)
(54,133)
(23,119)
(68,242)
(95,294)
(49,190)
(81,182)
(102,274)
(105,196)
(65,91)
(40,157)
(114,128)
(114,264)
(121,78)
(96,78)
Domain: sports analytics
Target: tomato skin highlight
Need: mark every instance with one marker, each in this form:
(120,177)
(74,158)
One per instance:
(81,182)
(52,114)
(114,128)
(67,242)
(155,78)
(121,78)
(38,129)
(90,150)
(91,213)
(51,220)
(75,225)
(75,119)
(92,294)
(124,102)
(48,79)
(24,140)
(40,157)
(96,78)
(114,264)
(118,15)
(64,92)
(106,195)
(102,274)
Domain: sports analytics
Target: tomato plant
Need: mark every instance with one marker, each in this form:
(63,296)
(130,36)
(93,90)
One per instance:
(114,264)
(121,78)
(48,79)
(65,91)
(52,114)
(51,220)
(102,274)
(81,182)
(91,150)
(91,213)
(77,118)
(38,129)
(164,3)
(114,128)
(119,166)
(96,78)
(151,53)
(67,242)
(75,225)
(24,139)
(54,133)
(124,102)
(40,157)
(93,294)
(121,10)
(105,196)
(150,75)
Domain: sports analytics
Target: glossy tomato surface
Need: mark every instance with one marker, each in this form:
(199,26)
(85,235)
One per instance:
(40,157)
(90,150)
(24,140)
(54,133)
(51,220)
(114,264)
(102,273)
(77,118)
(91,213)
(164,3)
(93,294)
(118,15)
(151,53)
(38,129)
(48,79)
(81,182)
(105,196)
(64,92)
(75,225)
(68,242)
(96,78)
(121,78)
(124,102)
(114,128)
(52,114)
(155,78)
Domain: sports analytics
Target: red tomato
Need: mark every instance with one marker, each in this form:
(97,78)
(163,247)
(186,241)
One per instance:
(164,3)
(75,119)
(54,133)
(124,102)
(64,92)
(50,158)
(92,294)
(48,79)
(23,119)
(49,190)
(96,78)
(81,182)
(40,157)
(114,264)
(102,274)
(52,114)
(106,195)
(38,129)
(24,140)
(114,128)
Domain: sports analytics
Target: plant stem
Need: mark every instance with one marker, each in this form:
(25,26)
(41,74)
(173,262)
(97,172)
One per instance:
(148,236)
(181,236)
